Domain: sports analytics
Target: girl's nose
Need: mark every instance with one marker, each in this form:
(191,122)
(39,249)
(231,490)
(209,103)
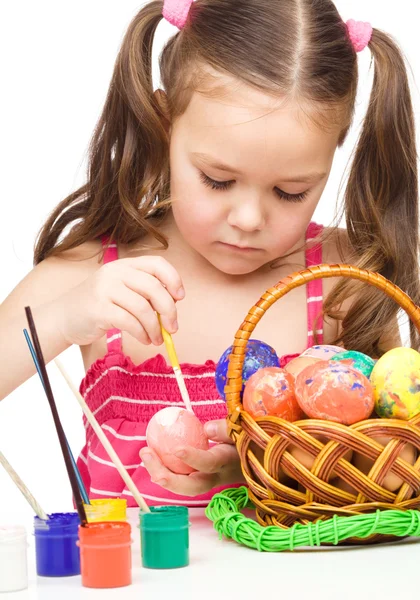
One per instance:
(247,215)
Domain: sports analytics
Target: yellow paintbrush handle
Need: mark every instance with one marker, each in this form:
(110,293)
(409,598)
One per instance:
(173,359)
(170,348)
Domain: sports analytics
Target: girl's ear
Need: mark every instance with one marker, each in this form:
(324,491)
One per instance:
(162,108)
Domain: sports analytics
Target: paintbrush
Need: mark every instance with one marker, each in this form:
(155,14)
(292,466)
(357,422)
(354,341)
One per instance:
(73,462)
(19,483)
(170,349)
(104,440)
(61,437)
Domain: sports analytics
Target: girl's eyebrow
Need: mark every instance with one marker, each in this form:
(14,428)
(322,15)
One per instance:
(216,164)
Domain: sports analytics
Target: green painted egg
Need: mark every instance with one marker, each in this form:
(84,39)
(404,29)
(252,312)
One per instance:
(396,384)
(359,361)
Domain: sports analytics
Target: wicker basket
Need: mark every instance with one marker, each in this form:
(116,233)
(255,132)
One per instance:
(283,504)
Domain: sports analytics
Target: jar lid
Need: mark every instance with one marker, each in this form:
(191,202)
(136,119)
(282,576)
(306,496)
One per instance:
(11,533)
(106,509)
(164,518)
(107,532)
(57,522)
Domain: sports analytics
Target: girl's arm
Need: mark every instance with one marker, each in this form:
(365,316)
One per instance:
(41,290)
(75,300)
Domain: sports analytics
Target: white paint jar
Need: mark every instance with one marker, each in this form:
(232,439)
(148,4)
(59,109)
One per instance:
(13,559)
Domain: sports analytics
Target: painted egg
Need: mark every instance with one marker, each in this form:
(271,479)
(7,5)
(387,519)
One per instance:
(307,460)
(257,356)
(391,482)
(296,365)
(172,428)
(271,391)
(359,361)
(396,384)
(334,391)
(324,352)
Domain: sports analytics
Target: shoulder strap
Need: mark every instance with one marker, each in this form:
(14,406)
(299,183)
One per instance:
(314,293)
(113,336)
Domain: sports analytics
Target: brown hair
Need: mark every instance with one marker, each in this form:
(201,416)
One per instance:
(297,49)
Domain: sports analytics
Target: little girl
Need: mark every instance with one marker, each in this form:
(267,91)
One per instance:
(199,197)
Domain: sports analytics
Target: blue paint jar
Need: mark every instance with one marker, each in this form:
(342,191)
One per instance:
(57,554)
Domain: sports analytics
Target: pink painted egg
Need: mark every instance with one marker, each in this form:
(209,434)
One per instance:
(334,391)
(172,428)
(323,351)
(296,365)
(271,391)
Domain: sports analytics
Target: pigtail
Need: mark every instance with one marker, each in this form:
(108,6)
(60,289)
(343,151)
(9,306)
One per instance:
(128,173)
(381,204)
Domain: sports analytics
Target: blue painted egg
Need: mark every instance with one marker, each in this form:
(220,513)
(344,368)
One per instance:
(258,356)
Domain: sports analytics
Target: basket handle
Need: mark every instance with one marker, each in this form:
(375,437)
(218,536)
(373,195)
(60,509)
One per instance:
(236,360)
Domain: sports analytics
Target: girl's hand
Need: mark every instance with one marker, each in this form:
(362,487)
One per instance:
(124,294)
(215,467)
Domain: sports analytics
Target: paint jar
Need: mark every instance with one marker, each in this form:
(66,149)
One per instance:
(13,559)
(57,554)
(106,509)
(105,554)
(164,534)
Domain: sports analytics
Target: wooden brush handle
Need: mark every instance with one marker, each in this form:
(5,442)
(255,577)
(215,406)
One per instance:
(236,361)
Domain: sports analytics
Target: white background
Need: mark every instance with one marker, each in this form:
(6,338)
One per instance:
(57,59)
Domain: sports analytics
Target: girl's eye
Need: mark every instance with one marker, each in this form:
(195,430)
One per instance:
(292,197)
(225,185)
(214,185)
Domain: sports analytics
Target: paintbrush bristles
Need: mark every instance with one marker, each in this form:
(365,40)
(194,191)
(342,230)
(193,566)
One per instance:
(104,440)
(22,487)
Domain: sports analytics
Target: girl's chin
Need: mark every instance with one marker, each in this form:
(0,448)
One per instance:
(237,267)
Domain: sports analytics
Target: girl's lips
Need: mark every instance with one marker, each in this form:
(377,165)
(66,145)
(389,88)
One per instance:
(240,248)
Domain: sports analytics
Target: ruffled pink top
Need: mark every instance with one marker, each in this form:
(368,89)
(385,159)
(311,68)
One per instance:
(124,396)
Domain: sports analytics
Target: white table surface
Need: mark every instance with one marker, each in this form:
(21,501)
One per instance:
(221,569)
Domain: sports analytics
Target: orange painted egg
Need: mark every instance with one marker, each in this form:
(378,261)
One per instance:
(334,391)
(271,391)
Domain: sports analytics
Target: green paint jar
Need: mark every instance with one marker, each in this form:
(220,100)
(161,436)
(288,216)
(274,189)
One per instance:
(164,535)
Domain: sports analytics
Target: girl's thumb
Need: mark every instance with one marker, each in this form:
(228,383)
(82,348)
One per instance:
(217,431)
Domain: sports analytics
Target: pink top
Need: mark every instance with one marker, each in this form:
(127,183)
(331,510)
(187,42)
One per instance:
(124,396)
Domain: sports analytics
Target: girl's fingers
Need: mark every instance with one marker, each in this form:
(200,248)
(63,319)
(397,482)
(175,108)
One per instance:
(159,268)
(141,309)
(217,431)
(160,300)
(185,485)
(119,318)
(215,460)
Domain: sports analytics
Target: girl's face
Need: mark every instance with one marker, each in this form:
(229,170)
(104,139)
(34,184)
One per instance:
(247,173)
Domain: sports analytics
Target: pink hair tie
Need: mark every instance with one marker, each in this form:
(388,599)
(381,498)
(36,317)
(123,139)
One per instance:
(176,11)
(360,34)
